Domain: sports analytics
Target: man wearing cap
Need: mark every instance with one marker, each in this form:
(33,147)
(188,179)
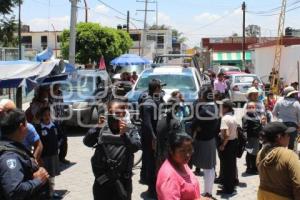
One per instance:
(287,111)
(278,167)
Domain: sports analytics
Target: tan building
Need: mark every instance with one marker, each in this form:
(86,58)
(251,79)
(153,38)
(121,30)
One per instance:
(156,42)
(37,41)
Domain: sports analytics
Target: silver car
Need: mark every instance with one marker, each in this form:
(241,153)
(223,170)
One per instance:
(239,85)
(83,95)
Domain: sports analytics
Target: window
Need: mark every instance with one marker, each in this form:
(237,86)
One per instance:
(58,38)
(151,37)
(27,41)
(135,36)
(44,39)
(160,41)
(44,42)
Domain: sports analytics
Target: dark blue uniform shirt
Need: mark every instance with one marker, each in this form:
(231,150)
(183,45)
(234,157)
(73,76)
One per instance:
(16,174)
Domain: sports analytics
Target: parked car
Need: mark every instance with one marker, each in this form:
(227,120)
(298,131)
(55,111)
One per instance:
(186,80)
(176,78)
(83,95)
(226,69)
(119,69)
(239,85)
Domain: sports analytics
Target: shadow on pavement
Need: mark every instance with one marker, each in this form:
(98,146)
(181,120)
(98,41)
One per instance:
(62,193)
(63,167)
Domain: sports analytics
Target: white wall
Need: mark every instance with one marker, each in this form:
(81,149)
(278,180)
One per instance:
(264,59)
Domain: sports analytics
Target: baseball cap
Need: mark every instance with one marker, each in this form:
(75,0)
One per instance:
(274,128)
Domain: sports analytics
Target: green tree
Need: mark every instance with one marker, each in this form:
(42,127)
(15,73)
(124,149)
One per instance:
(93,40)
(178,36)
(7,29)
(7,24)
(7,5)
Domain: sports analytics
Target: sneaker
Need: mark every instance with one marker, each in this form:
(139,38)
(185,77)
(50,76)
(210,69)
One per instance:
(226,192)
(56,196)
(209,196)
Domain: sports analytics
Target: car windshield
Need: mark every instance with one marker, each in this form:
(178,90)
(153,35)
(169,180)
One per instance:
(245,79)
(82,84)
(129,68)
(173,81)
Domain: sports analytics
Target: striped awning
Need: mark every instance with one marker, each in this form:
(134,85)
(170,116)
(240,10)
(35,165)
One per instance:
(231,56)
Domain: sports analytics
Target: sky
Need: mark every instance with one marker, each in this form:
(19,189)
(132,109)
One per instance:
(194,18)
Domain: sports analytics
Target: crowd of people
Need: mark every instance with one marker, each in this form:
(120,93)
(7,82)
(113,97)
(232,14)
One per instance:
(33,143)
(45,144)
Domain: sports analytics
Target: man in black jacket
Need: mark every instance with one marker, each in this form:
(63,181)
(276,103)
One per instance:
(20,176)
(149,114)
(112,162)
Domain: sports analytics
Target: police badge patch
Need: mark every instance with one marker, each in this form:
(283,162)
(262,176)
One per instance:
(11,163)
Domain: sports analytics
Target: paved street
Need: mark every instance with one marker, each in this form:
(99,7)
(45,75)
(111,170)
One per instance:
(78,178)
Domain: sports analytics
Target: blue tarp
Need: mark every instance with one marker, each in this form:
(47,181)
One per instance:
(23,73)
(129,59)
(44,55)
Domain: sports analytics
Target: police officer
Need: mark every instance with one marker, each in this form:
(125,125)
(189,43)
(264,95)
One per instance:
(149,114)
(112,162)
(20,176)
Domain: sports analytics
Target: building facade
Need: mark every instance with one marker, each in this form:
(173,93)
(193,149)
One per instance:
(229,50)
(37,41)
(157,42)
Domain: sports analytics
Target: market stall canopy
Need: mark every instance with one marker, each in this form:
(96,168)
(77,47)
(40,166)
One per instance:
(14,74)
(231,56)
(129,59)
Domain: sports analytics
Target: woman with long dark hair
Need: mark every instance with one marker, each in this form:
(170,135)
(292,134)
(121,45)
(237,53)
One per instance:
(175,180)
(205,128)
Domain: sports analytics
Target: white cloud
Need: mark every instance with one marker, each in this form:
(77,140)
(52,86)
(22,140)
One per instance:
(102,9)
(206,17)
(41,24)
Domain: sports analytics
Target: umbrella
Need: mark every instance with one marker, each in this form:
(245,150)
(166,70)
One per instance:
(129,59)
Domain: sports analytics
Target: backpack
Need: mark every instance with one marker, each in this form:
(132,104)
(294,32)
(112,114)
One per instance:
(242,140)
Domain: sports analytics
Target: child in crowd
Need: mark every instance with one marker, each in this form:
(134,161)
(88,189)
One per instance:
(49,134)
(252,125)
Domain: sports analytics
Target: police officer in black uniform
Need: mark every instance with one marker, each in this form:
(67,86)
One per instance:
(112,162)
(20,176)
(149,114)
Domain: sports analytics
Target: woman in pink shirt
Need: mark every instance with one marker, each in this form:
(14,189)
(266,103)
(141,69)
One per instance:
(175,180)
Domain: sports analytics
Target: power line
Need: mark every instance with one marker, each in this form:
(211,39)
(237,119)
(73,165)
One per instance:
(215,21)
(118,11)
(288,10)
(268,12)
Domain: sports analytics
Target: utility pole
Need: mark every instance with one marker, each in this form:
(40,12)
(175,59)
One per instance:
(72,44)
(19,89)
(244,27)
(86,11)
(127,25)
(144,36)
(128,18)
(156,26)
